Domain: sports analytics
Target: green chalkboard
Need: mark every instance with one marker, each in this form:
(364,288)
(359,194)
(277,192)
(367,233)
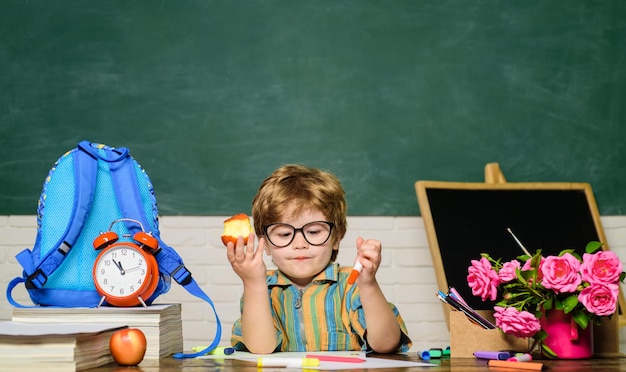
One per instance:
(211,96)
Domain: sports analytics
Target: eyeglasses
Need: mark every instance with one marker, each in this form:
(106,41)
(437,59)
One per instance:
(282,234)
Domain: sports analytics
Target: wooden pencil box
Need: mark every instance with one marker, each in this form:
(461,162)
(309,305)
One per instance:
(467,337)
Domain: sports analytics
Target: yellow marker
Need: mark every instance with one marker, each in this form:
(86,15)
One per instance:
(287,362)
(219,350)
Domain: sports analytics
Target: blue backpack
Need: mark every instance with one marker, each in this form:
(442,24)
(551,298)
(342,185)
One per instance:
(87,188)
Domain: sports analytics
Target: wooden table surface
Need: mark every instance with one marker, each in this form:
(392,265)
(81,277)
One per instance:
(446,364)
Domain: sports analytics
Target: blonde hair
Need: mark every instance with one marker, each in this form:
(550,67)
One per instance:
(304,188)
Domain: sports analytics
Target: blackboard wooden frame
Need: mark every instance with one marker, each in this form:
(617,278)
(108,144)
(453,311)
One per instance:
(452,204)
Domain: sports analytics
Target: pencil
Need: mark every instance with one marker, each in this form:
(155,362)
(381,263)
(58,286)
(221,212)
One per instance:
(533,366)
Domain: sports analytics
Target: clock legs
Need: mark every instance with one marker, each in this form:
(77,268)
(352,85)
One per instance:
(143,303)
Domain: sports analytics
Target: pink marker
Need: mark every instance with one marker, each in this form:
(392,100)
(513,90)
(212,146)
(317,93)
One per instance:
(521,357)
(355,272)
(336,358)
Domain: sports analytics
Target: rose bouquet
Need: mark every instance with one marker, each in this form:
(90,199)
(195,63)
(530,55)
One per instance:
(587,288)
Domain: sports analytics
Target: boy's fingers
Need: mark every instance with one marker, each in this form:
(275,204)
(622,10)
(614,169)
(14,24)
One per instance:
(359,242)
(230,252)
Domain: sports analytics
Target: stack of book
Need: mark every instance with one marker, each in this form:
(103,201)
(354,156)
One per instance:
(55,347)
(161,323)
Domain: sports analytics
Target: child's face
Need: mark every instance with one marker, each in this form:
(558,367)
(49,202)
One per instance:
(301,261)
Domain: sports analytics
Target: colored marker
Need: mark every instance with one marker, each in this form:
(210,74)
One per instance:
(355,272)
(287,362)
(446,351)
(534,366)
(497,355)
(336,358)
(521,357)
(219,350)
(424,355)
(435,352)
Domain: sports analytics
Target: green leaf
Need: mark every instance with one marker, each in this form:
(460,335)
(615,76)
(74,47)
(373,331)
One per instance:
(548,353)
(570,303)
(593,246)
(548,304)
(558,304)
(541,335)
(523,276)
(536,258)
(570,251)
(581,318)
(577,256)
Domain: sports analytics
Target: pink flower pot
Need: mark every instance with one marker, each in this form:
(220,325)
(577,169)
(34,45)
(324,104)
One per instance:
(565,337)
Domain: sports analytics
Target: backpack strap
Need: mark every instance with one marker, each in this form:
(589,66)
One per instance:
(85,170)
(170,263)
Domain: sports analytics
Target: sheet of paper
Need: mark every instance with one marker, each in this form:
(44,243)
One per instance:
(370,362)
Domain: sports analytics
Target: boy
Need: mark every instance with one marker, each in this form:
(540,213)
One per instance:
(299,215)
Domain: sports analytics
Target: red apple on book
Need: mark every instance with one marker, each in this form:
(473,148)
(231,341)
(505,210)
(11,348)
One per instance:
(236,226)
(128,346)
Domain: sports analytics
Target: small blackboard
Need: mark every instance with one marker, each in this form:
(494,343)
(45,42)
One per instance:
(463,220)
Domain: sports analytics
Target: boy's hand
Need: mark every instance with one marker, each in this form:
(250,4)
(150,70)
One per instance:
(369,254)
(247,262)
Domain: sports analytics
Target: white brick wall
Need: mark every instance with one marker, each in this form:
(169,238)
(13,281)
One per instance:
(406,274)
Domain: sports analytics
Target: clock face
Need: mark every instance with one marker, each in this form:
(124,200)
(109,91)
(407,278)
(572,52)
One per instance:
(122,270)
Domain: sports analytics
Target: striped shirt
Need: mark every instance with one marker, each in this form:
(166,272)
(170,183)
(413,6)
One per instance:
(327,315)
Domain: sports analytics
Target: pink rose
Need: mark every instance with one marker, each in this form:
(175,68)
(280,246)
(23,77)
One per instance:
(600,299)
(483,279)
(561,273)
(527,267)
(515,322)
(507,272)
(603,267)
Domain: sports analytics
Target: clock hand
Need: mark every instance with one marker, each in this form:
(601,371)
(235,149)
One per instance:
(133,269)
(119,266)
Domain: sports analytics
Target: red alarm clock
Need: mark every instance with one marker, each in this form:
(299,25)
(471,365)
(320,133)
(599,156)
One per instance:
(125,273)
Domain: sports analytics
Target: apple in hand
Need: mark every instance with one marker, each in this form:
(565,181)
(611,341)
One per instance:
(128,346)
(236,226)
